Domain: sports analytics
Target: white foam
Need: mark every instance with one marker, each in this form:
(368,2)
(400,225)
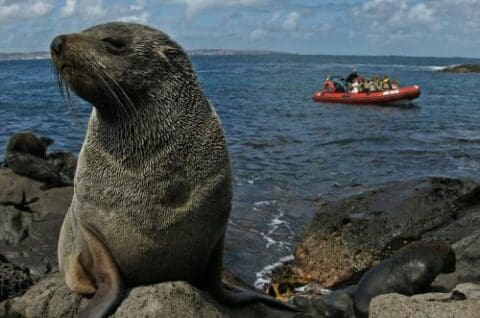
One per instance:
(264,276)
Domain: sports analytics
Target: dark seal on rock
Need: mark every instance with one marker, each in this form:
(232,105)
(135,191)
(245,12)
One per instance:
(411,271)
(153,184)
(27,156)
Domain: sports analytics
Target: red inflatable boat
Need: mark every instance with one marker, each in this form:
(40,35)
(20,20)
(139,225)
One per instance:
(399,95)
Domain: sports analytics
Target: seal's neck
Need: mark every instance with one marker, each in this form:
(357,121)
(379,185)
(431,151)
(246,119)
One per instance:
(159,121)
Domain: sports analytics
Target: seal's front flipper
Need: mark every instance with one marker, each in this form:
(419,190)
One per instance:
(234,298)
(102,269)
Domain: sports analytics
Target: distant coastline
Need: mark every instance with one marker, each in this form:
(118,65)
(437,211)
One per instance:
(24,56)
(209,52)
(444,62)
(221,52)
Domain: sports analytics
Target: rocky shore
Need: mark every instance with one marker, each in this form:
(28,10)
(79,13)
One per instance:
(464,68)
(345,238)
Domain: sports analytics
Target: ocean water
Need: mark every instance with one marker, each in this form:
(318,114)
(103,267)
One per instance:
(286,149)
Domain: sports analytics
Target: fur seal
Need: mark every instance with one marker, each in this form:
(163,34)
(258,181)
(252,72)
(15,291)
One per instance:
(153,186)
(410,271)
(26,155)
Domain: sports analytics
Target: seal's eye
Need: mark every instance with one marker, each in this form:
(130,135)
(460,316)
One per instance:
(114,46)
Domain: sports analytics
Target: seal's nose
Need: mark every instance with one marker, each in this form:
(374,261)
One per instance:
(57,44)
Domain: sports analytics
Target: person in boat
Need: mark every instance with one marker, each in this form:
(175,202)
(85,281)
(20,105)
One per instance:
(373,84)
(386,85)
(363,84)
(352,77)
(329,85)
(355,86)
(335,84)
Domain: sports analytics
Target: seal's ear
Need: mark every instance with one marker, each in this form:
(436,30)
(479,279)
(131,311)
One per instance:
(164,50)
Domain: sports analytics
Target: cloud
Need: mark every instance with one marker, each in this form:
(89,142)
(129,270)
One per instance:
(138,18)
(417,15)
(93,8)
(196,6)
(291,21)
(68,9)
(22,9)
(258,34)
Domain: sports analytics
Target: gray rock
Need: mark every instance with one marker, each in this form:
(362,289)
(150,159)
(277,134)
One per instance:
(467,252)
(15,189)
(52,204)
(13,225)
(30,221)
(51,298)
(463,302)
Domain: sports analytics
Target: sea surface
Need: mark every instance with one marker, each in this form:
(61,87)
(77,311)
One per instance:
(286,149)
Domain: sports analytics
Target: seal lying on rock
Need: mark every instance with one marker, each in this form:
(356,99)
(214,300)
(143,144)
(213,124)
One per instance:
(153,183)
(411,271)
(27,156)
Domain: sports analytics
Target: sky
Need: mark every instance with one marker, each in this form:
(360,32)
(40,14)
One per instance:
(344,27)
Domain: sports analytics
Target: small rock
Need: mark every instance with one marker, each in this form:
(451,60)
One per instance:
(438,305)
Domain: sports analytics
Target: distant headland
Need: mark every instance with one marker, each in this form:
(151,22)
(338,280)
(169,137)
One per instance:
(464,68)
(24,56)
(209,52)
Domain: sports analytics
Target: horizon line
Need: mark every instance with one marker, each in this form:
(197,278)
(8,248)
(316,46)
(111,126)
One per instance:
(275,52)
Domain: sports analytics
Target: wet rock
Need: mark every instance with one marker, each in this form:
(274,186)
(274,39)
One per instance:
(347,237)
(467,252)
(14,280)
(51,298)
(463,302)
(467,224)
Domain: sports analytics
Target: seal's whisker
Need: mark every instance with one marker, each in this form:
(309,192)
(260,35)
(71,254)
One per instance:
(113,97)
(120,103)
(132,106)
(110,92)
(66,95)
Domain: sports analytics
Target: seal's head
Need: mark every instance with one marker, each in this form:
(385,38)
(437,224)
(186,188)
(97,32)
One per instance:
(115,65)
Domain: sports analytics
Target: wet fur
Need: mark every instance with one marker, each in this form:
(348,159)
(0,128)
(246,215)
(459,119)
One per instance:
(153,181)
(409,272)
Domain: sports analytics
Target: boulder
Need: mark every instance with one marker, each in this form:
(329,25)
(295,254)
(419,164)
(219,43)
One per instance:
(17,190)
(51,298)
(30,221)
(463,302)
(349,236)
(13,225)
(467,252)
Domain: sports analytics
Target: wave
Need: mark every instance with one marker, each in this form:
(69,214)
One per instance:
(264,275)
(434,68)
